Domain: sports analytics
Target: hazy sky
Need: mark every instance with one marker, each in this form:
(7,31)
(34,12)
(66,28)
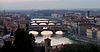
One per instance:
(48,4)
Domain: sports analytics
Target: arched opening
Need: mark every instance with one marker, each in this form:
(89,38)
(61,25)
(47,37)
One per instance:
(58,24)
(34,24)
(35,33)
(46,34)
(59,33)
(42,24)
(51,24)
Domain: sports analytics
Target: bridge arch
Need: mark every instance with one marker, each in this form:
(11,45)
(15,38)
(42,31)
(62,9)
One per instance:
(35,33)
(42,23)
(46,34)
(59,33)
(34,24)
(51,23)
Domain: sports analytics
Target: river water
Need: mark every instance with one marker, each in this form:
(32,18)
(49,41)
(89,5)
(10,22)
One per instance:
(55,40)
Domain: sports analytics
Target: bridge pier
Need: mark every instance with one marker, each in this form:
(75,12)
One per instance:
(39,33)
(54,34)
(65,32)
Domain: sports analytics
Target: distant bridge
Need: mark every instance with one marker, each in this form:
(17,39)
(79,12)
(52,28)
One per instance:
(40,25)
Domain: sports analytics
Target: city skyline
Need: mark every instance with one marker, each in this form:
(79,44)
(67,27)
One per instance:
(47,4)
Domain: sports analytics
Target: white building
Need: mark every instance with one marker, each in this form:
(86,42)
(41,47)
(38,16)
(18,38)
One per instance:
(55,15)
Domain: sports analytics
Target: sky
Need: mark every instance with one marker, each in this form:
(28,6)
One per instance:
(47,4)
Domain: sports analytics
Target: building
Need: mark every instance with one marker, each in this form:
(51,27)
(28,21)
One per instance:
(7,22)
(1,26)
(21,22)
(56,15)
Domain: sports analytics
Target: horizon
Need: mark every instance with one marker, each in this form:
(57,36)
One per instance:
(50,9)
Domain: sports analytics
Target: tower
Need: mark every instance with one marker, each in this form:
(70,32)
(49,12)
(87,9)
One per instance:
(88,13)
(22,23)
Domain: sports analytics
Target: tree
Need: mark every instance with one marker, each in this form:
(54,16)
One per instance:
(23,41)
(5,31)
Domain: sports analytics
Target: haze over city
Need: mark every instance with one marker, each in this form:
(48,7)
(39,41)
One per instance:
(48,4)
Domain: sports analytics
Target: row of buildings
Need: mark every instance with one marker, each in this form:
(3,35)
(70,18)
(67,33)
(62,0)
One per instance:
(85,26)
(88,26)
(9,23)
